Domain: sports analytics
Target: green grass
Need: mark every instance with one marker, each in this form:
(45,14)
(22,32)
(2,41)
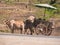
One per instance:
(4,31)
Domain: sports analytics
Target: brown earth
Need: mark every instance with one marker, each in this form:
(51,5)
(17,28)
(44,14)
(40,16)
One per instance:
(14,11)
(14,39)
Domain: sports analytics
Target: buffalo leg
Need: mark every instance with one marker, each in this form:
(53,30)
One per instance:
(12,31)
(31,31)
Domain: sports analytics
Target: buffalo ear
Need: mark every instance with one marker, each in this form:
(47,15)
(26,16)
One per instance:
(6,21)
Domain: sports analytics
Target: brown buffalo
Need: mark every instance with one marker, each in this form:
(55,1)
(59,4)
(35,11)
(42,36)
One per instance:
(13,24)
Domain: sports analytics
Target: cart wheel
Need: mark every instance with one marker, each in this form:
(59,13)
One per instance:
(43,29)
(49,31)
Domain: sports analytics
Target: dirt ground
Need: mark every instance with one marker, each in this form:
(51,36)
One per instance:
(13,39)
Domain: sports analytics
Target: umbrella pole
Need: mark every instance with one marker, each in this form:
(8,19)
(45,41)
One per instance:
(44,13)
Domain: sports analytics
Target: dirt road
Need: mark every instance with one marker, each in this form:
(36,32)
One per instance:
(15,39)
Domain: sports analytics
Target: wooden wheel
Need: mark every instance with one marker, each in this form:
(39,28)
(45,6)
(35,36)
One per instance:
(43,29)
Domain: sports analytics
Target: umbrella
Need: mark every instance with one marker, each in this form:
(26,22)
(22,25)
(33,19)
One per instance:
(45,6)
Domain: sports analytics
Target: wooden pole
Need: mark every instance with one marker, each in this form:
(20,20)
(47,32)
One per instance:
(44,13)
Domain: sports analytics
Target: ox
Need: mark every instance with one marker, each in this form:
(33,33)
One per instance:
(13,24)
(29,24)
